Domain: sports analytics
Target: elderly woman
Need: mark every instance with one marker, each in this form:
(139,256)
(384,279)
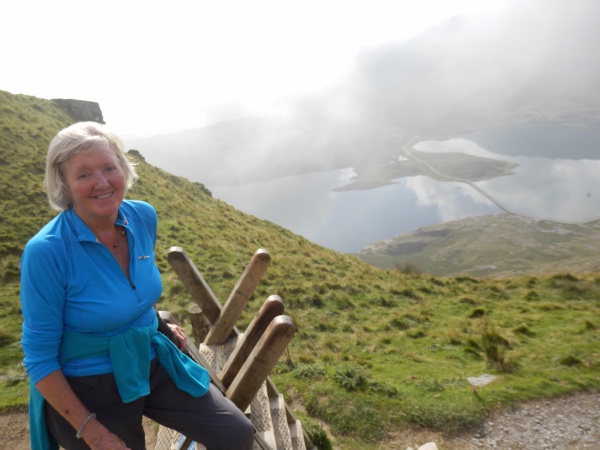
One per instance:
(88,286)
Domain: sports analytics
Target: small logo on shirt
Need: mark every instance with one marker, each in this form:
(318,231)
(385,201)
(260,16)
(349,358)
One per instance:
(143,257)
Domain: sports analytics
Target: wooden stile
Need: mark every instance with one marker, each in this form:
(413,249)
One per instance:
(239,364)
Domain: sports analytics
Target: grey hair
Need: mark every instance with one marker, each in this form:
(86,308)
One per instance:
(71,141)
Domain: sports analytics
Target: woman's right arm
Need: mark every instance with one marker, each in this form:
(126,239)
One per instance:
(42,302)
(56,390)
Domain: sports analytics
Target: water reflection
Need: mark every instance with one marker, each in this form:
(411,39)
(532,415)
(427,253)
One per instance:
(452,201)
(350,220)
(563,190)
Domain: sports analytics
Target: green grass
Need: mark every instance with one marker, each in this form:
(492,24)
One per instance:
(408,363)
(374,350)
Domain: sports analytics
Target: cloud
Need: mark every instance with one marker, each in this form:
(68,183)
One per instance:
(530,60)
(453,201)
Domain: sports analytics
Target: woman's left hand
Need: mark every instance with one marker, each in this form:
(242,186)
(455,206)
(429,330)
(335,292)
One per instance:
(180,335)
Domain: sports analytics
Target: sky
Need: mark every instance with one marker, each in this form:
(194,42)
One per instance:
(156,67)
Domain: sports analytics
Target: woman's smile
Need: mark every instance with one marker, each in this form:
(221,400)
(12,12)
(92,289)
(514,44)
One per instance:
(96,185)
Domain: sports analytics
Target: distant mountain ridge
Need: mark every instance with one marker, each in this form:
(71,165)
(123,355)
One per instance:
(256,149)
(496,245)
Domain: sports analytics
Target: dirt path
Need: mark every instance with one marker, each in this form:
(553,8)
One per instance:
(14,432)
(570,422)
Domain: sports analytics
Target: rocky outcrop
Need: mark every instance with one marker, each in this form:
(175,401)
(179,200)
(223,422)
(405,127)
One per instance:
(80,110)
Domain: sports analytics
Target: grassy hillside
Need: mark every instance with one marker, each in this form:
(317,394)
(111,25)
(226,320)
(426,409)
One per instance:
(499,245)
(374,351)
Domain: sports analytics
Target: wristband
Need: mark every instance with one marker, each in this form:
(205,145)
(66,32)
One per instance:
(87,419)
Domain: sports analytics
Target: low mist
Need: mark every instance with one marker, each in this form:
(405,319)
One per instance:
(529,62)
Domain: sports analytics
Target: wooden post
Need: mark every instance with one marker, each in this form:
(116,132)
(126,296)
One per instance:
(272,308)
(194,283)
(257,367)
(200,323)
(237,301)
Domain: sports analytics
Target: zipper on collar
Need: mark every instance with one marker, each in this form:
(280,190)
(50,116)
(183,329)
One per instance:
(137,294)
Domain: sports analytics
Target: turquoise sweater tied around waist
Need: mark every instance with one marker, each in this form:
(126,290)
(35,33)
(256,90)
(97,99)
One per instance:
(129,354)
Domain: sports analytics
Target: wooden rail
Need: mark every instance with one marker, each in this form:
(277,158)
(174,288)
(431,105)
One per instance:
(237,301)
(258,366)
(272,308)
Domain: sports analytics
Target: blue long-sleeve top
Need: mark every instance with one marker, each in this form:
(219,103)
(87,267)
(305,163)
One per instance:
(72,282)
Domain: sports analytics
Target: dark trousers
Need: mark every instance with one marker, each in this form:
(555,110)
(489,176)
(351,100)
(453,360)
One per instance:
(212,420)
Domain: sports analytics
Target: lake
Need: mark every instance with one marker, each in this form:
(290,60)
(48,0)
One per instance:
(558,188)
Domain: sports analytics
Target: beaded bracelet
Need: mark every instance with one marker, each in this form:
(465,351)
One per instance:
(87,419)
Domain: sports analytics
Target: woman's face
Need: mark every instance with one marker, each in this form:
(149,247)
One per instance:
(96,184)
